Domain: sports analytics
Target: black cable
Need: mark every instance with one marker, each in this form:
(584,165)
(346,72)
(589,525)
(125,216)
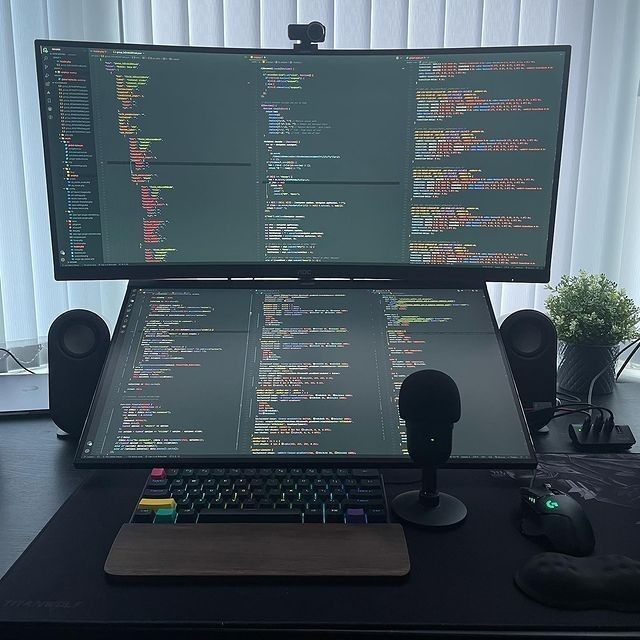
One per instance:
(590,407)
(568,413)
(585,406)
(17,361)
(626,362)
(35,356)
(570,396)
(612,361)
(533,477)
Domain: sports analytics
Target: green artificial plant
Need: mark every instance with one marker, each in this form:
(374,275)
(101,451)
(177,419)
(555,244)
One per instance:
(590,309)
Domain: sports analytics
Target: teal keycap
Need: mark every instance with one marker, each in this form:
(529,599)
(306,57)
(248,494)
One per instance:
(165,515)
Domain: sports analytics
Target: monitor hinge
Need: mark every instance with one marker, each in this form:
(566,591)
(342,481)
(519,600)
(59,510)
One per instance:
(305,275)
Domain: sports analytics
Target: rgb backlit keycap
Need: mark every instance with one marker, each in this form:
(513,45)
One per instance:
(165,516)
(157,503)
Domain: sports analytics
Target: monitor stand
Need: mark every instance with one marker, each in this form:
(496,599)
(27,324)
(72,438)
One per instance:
(258,549)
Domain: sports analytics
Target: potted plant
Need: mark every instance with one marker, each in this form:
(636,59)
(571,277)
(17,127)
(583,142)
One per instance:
(592,317)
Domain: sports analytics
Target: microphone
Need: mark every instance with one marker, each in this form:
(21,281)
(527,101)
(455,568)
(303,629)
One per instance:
(429,403)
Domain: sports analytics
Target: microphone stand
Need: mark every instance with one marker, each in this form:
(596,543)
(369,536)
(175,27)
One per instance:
(427,507)
(429,495)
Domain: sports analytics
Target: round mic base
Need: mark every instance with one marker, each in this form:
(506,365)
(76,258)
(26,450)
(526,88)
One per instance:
(449,512)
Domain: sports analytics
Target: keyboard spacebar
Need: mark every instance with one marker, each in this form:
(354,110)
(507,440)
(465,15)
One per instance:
(250,515)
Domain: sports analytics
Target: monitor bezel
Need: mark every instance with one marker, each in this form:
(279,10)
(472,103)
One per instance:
(426,273)
(271,461)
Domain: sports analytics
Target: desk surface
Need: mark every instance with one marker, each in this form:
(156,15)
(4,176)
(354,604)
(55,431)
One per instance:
(36,474)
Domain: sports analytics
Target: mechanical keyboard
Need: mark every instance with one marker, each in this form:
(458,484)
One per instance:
(352,496)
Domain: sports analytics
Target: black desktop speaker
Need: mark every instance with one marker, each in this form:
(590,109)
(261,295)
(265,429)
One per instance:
(78,345)
(531,343)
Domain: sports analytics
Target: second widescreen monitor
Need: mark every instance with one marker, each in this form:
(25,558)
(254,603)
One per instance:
(206,375)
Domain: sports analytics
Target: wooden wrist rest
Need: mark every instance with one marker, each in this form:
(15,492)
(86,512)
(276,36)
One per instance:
(258,549)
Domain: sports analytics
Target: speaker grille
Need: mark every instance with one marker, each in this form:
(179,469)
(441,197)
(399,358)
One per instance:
(78,340)
(526,339)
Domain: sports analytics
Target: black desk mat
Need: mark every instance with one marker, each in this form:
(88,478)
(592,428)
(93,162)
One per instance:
(460,579)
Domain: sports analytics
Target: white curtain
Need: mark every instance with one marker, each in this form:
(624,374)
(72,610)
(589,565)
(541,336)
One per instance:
(598,219)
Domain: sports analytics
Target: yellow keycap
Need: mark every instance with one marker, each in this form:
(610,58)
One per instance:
(157,503)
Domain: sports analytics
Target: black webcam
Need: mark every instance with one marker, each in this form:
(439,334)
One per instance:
(307,35)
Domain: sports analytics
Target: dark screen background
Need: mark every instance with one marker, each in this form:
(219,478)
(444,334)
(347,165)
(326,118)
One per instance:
(197,157)
(215,373)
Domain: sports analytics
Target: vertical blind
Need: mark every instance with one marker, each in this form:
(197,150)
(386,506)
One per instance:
(598,217)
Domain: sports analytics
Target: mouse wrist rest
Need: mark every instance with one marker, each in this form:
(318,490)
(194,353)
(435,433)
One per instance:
(596,582)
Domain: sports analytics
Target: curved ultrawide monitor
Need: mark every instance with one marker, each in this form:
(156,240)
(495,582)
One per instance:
(171,162)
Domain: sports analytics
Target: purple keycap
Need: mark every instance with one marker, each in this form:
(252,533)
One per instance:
(356,516)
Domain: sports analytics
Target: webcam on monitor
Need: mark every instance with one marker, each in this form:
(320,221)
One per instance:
(308,35)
